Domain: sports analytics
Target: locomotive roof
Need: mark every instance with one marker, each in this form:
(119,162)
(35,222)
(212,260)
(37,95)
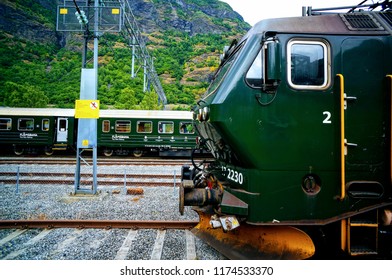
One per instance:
(363,23)
(141,114)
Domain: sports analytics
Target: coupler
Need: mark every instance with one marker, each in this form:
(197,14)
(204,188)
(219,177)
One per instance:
(190,196)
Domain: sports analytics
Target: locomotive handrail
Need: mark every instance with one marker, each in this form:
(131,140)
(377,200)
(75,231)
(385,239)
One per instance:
(342,138)
(389,77)
(343,226)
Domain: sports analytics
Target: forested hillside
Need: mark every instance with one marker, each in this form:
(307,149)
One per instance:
(40,67)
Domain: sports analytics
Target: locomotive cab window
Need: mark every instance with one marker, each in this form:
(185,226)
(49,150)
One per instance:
(123,126)
(254,76)
(186,128)
(106,126)
(144,127)
(308,64)
(5,124)
(165,127)
(25,124)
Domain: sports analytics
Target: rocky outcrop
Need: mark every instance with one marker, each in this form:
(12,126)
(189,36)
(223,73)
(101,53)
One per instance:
(35,20)
(194,17)
(27,23)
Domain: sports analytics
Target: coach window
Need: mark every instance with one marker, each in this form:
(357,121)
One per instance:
(26,124)
(144,127)
(165,127)
(45,125)
(5,124)
(106,126)
(186,128)
(123,126)
(309,64)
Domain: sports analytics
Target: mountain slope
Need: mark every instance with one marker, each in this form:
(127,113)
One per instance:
(193,16)
(185,37)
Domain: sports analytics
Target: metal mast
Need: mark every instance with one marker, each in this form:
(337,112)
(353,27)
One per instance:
(96,17)
(132,32)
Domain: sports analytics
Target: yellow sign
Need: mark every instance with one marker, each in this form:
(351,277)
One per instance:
(85,142)
(63,11)
(115,11)
(87,109)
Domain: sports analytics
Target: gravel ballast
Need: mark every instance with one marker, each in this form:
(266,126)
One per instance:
(111,203)
(47,202)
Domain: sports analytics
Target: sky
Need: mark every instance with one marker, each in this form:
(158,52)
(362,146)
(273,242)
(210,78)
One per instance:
(255,10)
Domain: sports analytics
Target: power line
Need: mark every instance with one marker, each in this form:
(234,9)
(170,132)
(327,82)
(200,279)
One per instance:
(134,35)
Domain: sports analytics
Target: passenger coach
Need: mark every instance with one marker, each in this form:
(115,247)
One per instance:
(121,132)
(36,130)
(166,132)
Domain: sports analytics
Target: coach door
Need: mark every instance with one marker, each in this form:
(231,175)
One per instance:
(365,121)
(62,130)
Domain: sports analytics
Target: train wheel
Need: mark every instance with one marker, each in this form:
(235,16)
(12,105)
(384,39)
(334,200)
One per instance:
(108,152)
(48,151)
(18,151)
(137,153)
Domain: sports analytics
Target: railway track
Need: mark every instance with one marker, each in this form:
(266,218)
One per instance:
(100,161)
(50,178)
(44,221)
(124,175)
(102,224)
(110,240)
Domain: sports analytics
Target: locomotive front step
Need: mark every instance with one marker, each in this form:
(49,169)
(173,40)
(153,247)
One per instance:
(362,234)
(360,251)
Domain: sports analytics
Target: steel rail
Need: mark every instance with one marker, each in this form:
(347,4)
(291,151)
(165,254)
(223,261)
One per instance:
(100,162)
(119,176)
(45,178)
(89,182)
(98,224)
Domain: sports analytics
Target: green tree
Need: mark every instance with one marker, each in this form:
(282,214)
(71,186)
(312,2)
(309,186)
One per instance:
(150,101)
(126,99)
(24,96)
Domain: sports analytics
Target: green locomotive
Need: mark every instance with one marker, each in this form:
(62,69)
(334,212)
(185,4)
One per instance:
(35,130)
(298,119)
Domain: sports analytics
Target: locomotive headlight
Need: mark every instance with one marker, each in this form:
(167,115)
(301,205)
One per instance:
(203,114)
(200,115)
(206,113)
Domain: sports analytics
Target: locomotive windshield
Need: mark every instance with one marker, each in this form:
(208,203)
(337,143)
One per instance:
(224,67)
